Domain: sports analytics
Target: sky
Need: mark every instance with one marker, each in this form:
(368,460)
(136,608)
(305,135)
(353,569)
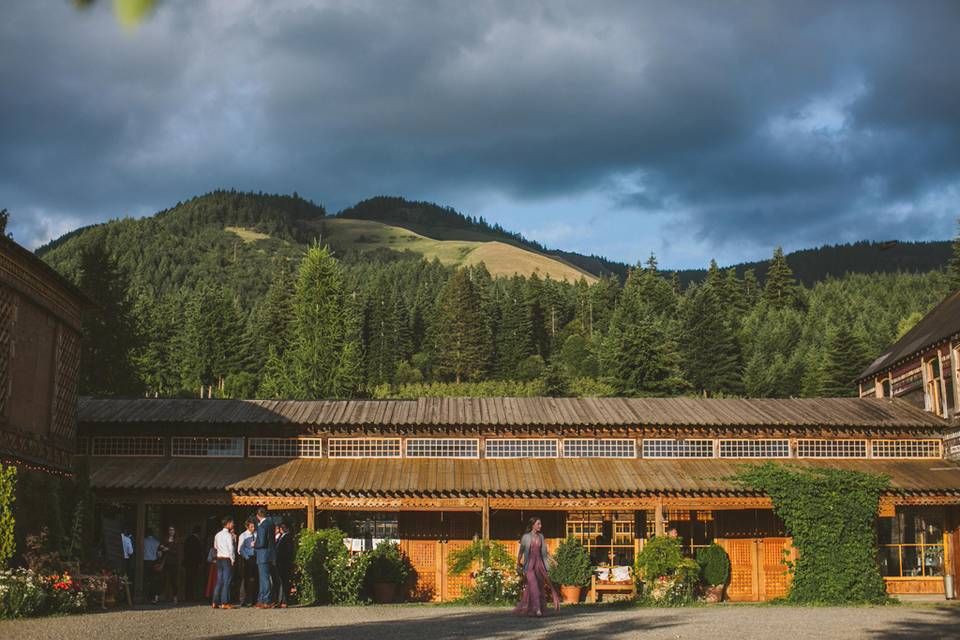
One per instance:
(693,130)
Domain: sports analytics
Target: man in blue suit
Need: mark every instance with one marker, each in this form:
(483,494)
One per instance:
(265,549)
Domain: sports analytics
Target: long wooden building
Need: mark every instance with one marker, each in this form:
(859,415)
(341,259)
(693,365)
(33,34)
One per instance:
(434,473)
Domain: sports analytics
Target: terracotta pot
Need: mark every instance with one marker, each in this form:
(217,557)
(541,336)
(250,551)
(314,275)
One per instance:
(384,592)
(570,595)
(714,593)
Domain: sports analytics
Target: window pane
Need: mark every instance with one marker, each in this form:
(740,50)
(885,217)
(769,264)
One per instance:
(662,448)
(911,561)
(889,561)
(933,560)
(521,448)
(885,528)
(831,448)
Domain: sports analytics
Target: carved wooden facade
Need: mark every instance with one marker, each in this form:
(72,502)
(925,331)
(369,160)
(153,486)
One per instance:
(39,361)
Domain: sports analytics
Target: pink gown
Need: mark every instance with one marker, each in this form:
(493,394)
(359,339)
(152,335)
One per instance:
(533,598)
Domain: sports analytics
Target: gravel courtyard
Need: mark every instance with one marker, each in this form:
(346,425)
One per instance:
(432,622)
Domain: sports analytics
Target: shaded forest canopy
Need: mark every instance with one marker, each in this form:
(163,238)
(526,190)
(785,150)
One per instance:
(187,304)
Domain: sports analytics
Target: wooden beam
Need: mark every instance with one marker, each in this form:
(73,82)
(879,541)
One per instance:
(138,549)
(659,528)
(311,513)
(485,516)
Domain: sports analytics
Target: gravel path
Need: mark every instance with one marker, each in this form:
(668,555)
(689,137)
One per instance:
(426,622)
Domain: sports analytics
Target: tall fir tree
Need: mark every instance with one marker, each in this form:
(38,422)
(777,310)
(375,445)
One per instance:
(953,267)
(109,335)
(269,325)
(780,289)
(514,337)
(210,343)
(709,345)
(324,357)
(844,360)
(157,359)
(461,341)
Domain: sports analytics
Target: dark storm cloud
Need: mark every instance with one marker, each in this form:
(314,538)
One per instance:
(743,124)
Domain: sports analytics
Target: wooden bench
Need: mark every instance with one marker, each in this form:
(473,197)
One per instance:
(599,587)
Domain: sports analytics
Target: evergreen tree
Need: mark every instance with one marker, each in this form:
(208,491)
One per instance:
(514,337)
(710,349)
(844,361)
(751,288)
(556,382)
(781,287)
(210,344)
(269,325)
(157,360)
(462,343)
(323,357)
(641,358)
(108,329)
(953,267)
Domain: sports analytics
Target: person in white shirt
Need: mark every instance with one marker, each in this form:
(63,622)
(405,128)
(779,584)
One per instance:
(151,557)
(126,547)
(226,549)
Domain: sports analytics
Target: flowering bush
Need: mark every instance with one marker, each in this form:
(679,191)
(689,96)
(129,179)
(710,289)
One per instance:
(21,594)
(668,579)
(64,594)
(492,586)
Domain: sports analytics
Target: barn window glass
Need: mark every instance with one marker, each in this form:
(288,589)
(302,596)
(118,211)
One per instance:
(521,448)
(831,448)
(207,447)
(443,448)
(127,446)
(906,448)
(663,448)
(599,448)
(910,544)
(754,448)
(285,447)
(83,446)
(363,447)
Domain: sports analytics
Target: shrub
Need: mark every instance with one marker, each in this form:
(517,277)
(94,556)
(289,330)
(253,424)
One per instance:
(64,594)
(316,554)
(492,586)
(831,514)
(714,565)
(8,493)
(388,564)
(668,579)
(21,594)
(573,564)
(348,576)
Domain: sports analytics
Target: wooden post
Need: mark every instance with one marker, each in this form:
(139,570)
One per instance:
(485,515)
(311,513)
(138,549)
(659,528)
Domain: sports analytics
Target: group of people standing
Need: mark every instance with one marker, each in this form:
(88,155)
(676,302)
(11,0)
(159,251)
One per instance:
(262,557)
(253,569)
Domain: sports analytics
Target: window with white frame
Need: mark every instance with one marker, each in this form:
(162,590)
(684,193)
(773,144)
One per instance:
(363,447)
(755,448)
(207,447)
(127,446)
(521,448)
(285,447)
(668,448)
(442,448)
(906,449)
(831,448)
(599,448)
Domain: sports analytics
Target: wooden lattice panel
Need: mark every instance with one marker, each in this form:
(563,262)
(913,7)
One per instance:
(6,329)
(68,369)
(423,557)
(455,585)
(776,580)
(742,581)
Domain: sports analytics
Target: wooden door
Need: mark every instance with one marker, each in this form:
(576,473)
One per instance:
(757,571)
(425,557)
(453,586)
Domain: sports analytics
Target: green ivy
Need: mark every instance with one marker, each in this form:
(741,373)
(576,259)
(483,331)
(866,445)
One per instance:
(831,514)
(8,494)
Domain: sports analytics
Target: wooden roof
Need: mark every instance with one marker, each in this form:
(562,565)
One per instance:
(483,477)
(935,327)
(515,412)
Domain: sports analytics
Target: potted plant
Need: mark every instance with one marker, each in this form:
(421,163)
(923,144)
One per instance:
(572,570)
(714,571)
(388,569)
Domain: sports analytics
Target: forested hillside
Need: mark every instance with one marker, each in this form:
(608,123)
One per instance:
(225,293)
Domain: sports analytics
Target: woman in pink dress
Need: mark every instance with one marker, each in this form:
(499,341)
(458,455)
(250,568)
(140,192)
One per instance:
(532,561)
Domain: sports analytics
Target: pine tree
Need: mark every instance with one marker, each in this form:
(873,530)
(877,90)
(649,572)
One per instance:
(710,349)
(462,343)
(844,360)
(781,287)
(751,288)
(556,382)
(157,360)
(514,337)
(269,326)
(324,356)
(953,267)
(109,334)
(640,357)
(210,343)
